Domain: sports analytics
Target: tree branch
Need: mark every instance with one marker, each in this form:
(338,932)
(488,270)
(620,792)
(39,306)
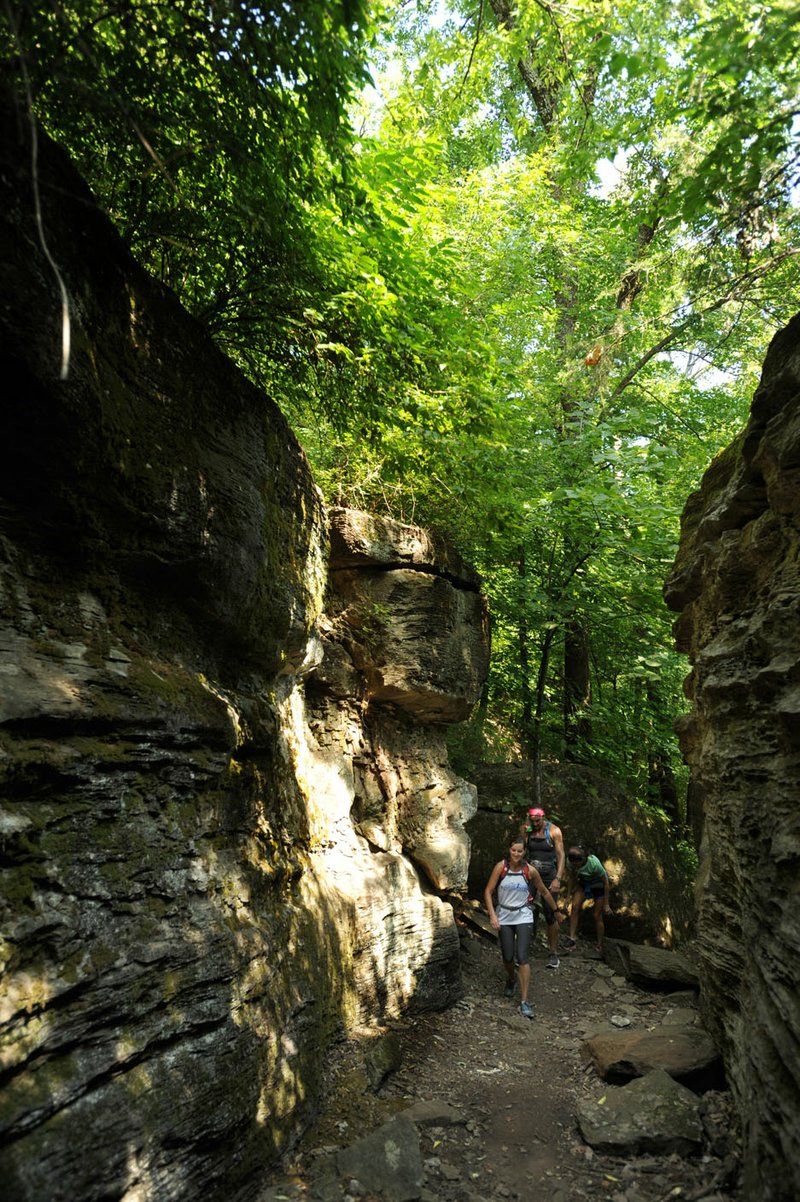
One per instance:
(474,48)
(733,292)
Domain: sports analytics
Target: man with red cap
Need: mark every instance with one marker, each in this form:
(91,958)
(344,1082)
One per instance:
(544,850)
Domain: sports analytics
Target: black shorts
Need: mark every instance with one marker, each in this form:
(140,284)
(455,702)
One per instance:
(547,880)
(518,933)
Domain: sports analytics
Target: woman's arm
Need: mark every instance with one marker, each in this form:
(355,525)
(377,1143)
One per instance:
(558,843)
(542,889)
(487,894)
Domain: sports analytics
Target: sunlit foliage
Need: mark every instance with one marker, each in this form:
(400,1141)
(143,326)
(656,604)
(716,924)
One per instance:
(510,268)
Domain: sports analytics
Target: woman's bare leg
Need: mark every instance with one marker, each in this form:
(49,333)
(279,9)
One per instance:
(578,899)
(599,925)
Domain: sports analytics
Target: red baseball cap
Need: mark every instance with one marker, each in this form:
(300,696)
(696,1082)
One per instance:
(536,813)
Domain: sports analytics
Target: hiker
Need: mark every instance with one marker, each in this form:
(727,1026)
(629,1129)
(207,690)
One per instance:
(590,883)
(514,881)
(544,851)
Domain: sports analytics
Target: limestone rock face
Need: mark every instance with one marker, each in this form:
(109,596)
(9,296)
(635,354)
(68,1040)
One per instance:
(405,638)
(412,619)
(214,815)
(736,585)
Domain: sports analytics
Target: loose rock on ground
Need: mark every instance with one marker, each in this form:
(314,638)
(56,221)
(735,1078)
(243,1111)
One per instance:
(485,1104)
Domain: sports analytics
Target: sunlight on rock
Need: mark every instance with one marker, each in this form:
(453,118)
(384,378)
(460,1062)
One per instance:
(220,815)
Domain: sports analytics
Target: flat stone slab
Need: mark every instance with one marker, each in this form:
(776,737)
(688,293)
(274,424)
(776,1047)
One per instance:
(433,1114)
(679,1051)
(650,965)
(652,1114)
(681,1017)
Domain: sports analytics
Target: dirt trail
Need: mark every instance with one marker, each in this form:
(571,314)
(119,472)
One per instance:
(516,1082)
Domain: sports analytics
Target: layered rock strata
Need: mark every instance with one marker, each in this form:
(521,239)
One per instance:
(226,811)
(736,585)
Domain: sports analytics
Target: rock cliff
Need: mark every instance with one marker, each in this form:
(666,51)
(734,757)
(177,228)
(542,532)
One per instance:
(226,810)
(736,584)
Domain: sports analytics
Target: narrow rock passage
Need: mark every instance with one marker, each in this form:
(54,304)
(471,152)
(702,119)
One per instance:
(507,1090)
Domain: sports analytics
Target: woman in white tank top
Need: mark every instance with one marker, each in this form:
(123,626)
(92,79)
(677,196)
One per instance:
(511,915)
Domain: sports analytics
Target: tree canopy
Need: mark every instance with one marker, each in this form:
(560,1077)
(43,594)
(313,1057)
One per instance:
(509,266)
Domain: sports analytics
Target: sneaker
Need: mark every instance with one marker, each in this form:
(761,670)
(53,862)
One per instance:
(569,945)
(552,961)
(526,1010)
(508,989)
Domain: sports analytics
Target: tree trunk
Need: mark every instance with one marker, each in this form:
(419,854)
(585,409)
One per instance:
(523,643)
(661,785)
(536,741)
(577,688)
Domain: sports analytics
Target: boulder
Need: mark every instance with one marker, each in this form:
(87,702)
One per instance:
(365,540)
(651,894)
(420,639)
(684,1053)
(387,1162)
(652,1114)
(383,1057)
(651,967)
(681,1017)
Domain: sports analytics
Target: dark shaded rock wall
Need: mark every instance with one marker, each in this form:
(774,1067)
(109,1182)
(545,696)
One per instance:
(218,846)
(736,585)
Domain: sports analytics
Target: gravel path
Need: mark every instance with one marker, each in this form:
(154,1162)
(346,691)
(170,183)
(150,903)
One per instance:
(516,1083)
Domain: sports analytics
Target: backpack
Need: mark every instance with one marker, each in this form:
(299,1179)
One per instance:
(528,852)
(547,826)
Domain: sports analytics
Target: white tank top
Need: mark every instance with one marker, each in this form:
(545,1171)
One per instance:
(512,900)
